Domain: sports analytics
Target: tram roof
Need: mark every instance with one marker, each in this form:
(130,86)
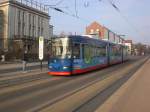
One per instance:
(86,39)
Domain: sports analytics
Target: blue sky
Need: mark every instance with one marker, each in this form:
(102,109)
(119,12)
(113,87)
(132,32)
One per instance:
(137,12)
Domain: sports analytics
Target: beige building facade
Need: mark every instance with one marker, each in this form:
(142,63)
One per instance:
(23,21)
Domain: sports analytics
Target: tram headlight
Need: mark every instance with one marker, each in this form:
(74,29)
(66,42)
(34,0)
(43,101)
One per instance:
(65,67)
(50,67)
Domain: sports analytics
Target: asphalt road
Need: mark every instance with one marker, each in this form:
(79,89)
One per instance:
(39,94)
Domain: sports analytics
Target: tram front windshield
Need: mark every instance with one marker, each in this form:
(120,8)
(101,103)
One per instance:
(61,48)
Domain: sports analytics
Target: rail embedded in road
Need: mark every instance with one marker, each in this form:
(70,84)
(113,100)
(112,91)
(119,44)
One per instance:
(86,94)
(53,91)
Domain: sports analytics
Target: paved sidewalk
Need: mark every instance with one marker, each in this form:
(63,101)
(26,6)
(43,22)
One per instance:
(133,96)
(34,71)
(17,67)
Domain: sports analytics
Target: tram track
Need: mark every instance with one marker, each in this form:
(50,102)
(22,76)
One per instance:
(45,84)
(18,73)
(22,77)
(14,69)
(21,80)
(96,101)
(81,96)
(53,87)
(15,78)
(18,79)
(84,93)
(51,90)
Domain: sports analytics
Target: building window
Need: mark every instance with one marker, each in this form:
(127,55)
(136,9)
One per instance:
(33,27)
(29,25)
(19,13)
(19,23)
(23,24)
(42,29)
(92,31)
(38,26)
(97,30)
(1,23)
(38,31)
(76,51)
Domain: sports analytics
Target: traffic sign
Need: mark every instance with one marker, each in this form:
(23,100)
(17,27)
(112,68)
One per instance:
(41,47)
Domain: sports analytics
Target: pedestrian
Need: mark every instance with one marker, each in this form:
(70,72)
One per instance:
(25,59)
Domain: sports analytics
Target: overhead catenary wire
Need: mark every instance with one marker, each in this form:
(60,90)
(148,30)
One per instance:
(76,12)
(59,2)
(123,16)
(66,13)
(114,6)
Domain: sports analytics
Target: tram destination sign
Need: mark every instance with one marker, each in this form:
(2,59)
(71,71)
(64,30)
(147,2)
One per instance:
(41,47)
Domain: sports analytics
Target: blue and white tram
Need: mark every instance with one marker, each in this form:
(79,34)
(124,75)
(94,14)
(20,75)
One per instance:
(79,54)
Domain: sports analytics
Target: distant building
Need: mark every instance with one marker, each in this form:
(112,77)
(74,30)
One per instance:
(129,44)
(106,33)
(23,22)
(101,32)
(95,29)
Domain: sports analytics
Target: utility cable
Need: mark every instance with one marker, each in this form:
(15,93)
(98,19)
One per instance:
(111,2)
(76,12)
(59,2)
(124,17)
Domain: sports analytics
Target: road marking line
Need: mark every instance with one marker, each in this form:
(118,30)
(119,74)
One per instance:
(74,101)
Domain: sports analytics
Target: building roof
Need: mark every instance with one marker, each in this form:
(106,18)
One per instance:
(128,41)
(94,24)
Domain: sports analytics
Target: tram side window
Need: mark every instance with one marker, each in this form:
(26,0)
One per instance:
(101,51)
(94,51)
(119,51)
(76,51)
(97,52)
(116,50)
(87,51)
